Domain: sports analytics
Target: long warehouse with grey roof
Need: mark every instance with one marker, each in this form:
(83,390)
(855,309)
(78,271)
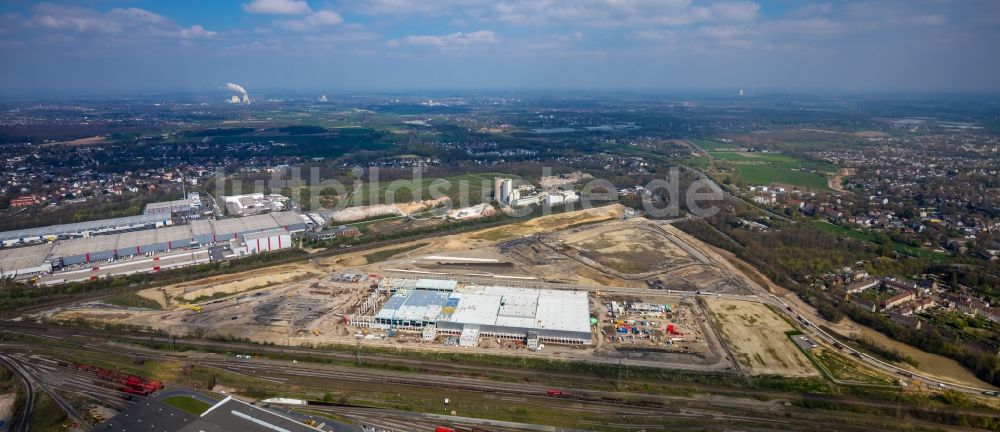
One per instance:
(19,261)
(83,229)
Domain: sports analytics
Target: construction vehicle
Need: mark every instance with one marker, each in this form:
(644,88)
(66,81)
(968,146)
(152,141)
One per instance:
(316,332)
(195,308)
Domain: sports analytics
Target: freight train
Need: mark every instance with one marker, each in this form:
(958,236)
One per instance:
(125,383)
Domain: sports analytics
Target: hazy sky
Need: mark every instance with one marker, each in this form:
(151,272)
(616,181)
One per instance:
(140,46)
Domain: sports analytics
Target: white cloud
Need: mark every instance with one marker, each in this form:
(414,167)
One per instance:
(457,39)
(136,15)
(739,11)
(402,7)
(278,7)
(323,18)
(133,23)
(196,32)
(588,13)
(74,18)
(611,13)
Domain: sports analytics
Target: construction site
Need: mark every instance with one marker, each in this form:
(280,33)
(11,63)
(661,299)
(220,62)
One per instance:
(611,290)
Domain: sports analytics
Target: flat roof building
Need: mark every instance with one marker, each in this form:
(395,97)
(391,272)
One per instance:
(227,415)
(255,203)
(82,229)
(494,311)
(265,241)
(187,205)
(151,240)
(25,260)
(233,415)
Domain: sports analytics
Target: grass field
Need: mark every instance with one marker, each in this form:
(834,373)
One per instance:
(699,163)
(870,237)
(189,404)
(774,168)
(46,416)
(841,368)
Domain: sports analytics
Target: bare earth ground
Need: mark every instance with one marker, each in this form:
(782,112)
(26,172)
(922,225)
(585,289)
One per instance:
(756,337)
(619,253)
(78,142)
(309,300)
(309,308)
(836,181)
(933,365)
(870,134)
(628,249)
(7,407)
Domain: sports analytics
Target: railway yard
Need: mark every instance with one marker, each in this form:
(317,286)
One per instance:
(388,395)
(629,324)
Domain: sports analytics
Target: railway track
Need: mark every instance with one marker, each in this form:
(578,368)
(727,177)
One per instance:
(585,402)
(24,418)
(34,377)
(737,409)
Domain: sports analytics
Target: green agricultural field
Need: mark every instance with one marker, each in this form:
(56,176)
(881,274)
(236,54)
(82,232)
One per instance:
(699,163)
(767,175)
(774,168)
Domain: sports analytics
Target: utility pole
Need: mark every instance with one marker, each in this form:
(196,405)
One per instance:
(357,351)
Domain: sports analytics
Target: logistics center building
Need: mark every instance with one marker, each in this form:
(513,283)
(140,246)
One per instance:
(470,312)
(42,258)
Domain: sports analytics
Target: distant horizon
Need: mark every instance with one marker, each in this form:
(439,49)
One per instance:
(128,47)
(266,94)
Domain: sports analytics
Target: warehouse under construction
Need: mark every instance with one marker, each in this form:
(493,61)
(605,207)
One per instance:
(468,312)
